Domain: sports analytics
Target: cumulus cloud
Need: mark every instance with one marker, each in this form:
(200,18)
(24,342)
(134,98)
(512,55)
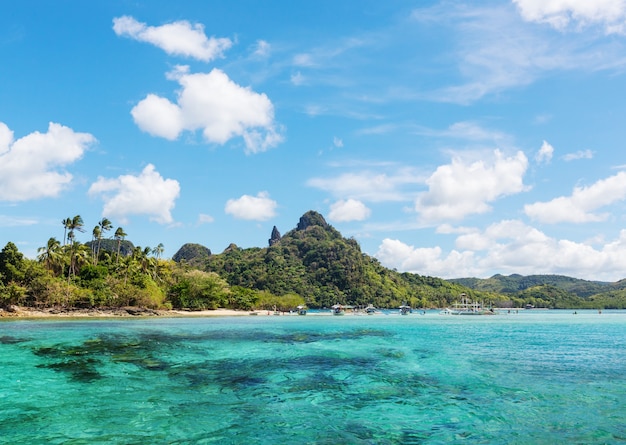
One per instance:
(179,38)
(508,246)
(348,210)
(580,206)
(467,187)
(213,103)
(32,167)
(145,194)
(560,14)
(544,155)
(259,208)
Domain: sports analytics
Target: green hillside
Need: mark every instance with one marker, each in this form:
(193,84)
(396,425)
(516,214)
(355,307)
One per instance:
(553,291)
(316,262)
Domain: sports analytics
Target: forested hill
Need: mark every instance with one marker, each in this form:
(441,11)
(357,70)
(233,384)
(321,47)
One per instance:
(316,262)
(552,290)
(514,283)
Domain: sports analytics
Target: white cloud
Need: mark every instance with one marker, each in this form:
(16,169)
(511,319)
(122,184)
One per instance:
(467,187)
(579,207)
(423,260)
(297,79)
(145,194)
(581,154)
(304,60)
(179,38)
(496,50)
(214,104)
(337,142)
(259,208)
(561,13)
(348,210)
(32,167)
(368,185)
(262,49)
(544,155)
(509,247)
(205,219)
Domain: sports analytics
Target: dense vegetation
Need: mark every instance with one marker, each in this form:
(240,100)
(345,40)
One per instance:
(552,291)
(311,264)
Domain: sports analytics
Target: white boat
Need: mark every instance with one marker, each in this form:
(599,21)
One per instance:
(370,309)
(467,307)
(338,310)
(405,309)
(302,310)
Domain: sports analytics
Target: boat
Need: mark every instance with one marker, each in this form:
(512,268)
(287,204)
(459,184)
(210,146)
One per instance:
(466,307)
(301,310)
(370,309)
(338,310)
(405,309)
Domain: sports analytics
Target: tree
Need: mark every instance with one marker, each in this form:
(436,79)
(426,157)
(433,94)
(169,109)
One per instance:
(51,256)
(158,251)
(119,236)
(12,264)
(197,290)
(66,225)
(96,236)
(105,225)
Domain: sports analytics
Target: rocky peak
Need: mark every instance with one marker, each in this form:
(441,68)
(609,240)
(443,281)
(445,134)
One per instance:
(275,237)
(311,218)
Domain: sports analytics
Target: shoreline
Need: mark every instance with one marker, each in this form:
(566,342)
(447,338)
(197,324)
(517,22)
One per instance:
(18,312)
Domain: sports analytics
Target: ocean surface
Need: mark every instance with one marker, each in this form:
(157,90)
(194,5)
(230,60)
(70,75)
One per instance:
(535,377)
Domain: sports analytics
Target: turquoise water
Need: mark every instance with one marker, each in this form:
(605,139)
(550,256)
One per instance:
(544,377)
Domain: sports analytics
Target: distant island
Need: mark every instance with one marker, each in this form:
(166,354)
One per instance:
(311,265)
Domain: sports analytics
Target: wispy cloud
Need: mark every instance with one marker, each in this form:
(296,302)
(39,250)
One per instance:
(179,38)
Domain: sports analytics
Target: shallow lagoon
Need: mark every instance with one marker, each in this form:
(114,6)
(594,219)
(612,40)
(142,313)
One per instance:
(537,377)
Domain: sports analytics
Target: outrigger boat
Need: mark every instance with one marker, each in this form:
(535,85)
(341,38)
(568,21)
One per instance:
(370,309)
(467,307)
(338,310)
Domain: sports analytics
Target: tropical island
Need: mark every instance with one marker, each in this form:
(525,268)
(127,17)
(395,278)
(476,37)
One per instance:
(312,265)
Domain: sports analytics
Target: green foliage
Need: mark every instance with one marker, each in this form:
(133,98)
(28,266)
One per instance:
(197,290)
(315,262)
(12,264)
(192,254)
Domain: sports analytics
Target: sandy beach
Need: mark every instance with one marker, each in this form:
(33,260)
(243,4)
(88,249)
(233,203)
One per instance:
(26,312)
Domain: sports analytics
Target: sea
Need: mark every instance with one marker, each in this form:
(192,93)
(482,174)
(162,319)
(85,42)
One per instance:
(520,377)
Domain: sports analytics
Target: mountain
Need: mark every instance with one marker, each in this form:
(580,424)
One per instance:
(316,262)
(513,284)
(555,291)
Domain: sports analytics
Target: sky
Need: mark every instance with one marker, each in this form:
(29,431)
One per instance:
(450,139)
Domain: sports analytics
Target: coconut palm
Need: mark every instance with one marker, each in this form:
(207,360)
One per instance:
(66,225)
(74,224)
(96,235)
(51,255)
(119,236)
(158,251)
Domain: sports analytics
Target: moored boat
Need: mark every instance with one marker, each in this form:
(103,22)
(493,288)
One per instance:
(467,307)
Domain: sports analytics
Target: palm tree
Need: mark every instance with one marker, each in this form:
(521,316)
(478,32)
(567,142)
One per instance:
(158,250)
(75,223)
(51,255)
(104,226)
(96,236)
(119,236)
(66,225)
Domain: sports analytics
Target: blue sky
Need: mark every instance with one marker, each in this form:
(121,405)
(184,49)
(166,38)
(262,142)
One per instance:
(449,139)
